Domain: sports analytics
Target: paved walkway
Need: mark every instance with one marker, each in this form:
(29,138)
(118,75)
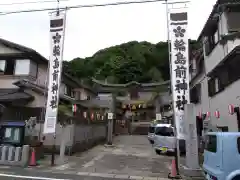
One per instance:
(131,157)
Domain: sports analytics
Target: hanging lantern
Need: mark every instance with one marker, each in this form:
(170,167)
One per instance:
(133,107)
(217,114)
(92,116)
(85,114)
(139,106)
(231,109)
(208,115)
(200,114)
(98,116)
(74,108)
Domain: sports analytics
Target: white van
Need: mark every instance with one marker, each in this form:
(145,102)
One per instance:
(164,139)
(151,133)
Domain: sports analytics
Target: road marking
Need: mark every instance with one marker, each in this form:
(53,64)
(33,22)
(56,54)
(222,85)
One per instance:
(62,167)
(118,176)
(91,163)
(29,177)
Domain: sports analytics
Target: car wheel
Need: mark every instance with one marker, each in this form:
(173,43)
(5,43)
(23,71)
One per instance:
(236,177)
(158,152)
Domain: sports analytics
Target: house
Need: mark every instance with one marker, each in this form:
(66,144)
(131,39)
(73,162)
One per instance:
(23,83)
(214,68)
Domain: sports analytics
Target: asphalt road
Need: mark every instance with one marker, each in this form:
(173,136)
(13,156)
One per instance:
(18,173)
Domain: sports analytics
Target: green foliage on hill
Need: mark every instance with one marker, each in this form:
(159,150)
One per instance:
(132,61)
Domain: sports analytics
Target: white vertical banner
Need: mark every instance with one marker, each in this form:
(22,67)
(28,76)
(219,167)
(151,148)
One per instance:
(178,24)
(57,32)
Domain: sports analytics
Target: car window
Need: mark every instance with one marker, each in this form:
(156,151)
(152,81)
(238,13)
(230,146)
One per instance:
(238,144)
(164,131)
(151,129)
(211,143)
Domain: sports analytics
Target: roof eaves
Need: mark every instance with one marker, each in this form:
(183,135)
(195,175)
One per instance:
(22,48)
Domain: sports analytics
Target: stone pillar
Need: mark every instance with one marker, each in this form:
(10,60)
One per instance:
(10,153)
(4,153)
(191,166)
(25,155)
(157,105)
(110,121)
(17,155)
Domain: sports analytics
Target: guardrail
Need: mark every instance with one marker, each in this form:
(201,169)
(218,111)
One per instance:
(14,156)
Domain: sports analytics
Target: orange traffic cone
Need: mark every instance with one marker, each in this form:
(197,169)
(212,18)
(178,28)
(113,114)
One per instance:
(33,158)
(173,174)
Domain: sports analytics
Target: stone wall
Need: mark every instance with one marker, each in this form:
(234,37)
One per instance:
(78,137)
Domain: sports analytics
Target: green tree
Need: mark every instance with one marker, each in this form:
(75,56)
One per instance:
(132,61)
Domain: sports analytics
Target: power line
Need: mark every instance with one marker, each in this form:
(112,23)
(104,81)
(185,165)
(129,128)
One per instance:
(82,6)
(31,2)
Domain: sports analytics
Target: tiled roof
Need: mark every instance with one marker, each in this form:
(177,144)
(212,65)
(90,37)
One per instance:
(9,95)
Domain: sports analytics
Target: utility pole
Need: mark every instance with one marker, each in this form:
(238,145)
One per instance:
(111,117)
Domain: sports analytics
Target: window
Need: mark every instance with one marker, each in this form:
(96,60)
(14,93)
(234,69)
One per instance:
(68,91)
(233,20)
(195,94)
(164,131)
(9,67)
(2,66)
(223,128)
(78,95)
(22,67)
(211,143)
(209,45)
(33,69)
(12,135)
(213,86)
(211,40)
(216,83)
(238,144)
(151,129)
(224,76)
(72,94)
(216,37)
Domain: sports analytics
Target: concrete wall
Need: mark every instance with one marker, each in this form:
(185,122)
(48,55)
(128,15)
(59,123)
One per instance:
(78,137)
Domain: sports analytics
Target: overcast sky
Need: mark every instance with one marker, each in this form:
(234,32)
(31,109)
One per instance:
(91,29)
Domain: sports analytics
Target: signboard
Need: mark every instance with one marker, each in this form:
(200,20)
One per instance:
(57,29)
(110,115)
(158,116)
(179,67)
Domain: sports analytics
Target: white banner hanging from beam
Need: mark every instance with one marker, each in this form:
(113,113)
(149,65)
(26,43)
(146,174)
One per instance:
(57,32)
(178,25)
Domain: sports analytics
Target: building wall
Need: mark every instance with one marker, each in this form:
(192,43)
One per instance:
(7,81)
(6,50)
(84,93)
(42,79)
(220,51)
(230,95)
(220,101)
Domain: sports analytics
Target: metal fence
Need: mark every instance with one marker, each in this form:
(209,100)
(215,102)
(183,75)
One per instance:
(14,156)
